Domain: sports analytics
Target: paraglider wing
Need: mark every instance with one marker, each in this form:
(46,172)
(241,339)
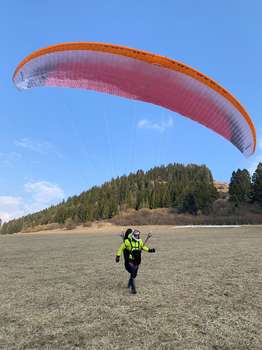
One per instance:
(143,76)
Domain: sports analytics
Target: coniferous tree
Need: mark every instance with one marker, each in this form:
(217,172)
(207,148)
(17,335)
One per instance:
(189,204)
(240,186)
(188,188)
(257,185)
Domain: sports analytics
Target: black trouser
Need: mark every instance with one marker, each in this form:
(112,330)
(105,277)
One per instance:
(132,268)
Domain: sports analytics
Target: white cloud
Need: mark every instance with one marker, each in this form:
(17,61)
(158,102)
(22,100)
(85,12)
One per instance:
(11,207)
(35,146)
(42,194)
(158,126)
(40,147)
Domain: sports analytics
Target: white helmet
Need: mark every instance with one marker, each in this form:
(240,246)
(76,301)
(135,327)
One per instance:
(136,235)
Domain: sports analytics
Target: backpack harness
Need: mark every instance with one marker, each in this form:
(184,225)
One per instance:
(135,253)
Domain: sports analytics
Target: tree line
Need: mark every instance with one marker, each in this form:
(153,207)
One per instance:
(188,188)
(185,188)
(246,189)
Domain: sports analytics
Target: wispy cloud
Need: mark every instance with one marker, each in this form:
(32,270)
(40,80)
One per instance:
(40,147)
(160,126)
(9,158)
(11,207)
(42,194)
(35,146)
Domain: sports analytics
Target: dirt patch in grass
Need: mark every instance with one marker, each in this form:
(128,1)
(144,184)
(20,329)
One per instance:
(201,290)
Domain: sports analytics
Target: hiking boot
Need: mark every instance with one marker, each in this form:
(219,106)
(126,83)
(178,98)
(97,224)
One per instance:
(133,290)
(132,285)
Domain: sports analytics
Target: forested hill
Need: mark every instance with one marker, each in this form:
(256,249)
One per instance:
(188,188)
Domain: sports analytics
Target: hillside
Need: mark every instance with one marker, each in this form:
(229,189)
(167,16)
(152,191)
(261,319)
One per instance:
(186,189)
(175,194)
(222,187)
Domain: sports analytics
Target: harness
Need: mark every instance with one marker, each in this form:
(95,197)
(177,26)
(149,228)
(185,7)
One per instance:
(135,253)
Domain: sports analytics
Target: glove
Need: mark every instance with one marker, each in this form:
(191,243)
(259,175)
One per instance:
(117,258)
(152,250)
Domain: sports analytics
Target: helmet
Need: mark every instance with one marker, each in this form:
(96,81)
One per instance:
(136,235)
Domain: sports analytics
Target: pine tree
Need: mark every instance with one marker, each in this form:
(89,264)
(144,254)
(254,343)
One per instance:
(189,204)
(188,188)
(240,186)
(257,185)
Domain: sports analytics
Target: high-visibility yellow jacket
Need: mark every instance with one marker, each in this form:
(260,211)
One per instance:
(131,245)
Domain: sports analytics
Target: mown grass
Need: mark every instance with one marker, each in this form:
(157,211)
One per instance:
(201,290)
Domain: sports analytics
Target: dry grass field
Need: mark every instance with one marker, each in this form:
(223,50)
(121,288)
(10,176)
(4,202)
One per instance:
(201,290)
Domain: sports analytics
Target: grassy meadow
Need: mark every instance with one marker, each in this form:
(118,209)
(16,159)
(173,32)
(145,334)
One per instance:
(201,290)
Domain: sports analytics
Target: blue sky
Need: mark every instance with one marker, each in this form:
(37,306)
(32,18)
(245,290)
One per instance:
(58,142)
